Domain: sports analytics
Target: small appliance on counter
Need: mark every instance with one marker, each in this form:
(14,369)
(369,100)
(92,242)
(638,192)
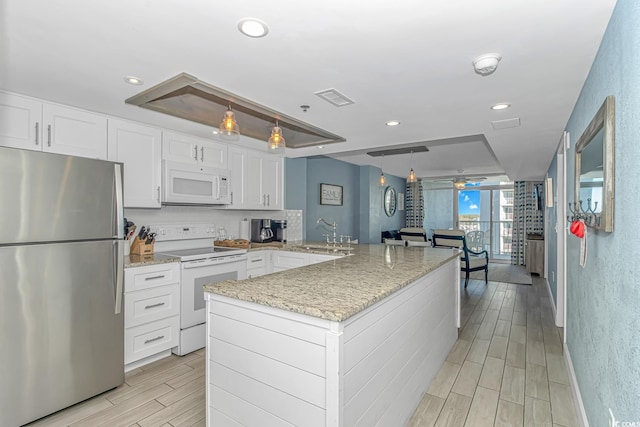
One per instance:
(261,231)
(279,230)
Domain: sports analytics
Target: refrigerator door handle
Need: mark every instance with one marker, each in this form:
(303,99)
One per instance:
(118,195)
(119,264)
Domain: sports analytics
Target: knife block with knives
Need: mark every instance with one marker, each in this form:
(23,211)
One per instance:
(143,242)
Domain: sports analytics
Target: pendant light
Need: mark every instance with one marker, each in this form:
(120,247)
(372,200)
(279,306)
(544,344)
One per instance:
(229,127)
(412,175)
(383,180)
(276,141)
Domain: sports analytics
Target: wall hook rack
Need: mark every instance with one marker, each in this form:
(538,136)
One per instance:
(588,215)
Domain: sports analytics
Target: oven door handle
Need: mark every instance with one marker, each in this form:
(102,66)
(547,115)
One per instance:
(214,261)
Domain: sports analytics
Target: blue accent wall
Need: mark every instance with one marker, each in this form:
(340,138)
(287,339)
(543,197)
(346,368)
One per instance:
(603,299)
(295,188)
(361,215)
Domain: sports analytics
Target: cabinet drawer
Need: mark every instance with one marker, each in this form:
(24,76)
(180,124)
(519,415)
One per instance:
(151,276)
(151,304)
(256,260)
(151,338)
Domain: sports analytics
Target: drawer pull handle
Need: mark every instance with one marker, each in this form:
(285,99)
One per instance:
(147,307)
(154,339)
(154,277)
(257,260)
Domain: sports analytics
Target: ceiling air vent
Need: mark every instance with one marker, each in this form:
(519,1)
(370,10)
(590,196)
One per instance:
(334,97)
(507,123)
(396,151)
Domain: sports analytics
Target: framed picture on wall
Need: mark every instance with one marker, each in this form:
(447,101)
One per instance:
(331,194)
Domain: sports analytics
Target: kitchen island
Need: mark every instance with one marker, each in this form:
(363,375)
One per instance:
(351,341)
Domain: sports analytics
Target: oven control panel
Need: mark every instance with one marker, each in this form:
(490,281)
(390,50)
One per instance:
(166,232)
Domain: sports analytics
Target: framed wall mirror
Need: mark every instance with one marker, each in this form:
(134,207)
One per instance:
(594,173)
(390,201)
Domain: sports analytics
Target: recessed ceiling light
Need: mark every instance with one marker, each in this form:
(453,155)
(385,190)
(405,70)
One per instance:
(500,106)
(320,147)
(132,80)
(392,123)
(252,27)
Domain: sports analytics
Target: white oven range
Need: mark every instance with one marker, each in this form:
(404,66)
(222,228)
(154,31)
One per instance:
(201,263)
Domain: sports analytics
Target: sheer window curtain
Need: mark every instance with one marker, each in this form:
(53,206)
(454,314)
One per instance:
(527,218)
(414,206)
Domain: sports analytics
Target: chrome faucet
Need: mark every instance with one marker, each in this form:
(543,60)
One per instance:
(334,226)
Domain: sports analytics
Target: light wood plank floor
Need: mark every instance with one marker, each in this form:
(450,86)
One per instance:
(506,369)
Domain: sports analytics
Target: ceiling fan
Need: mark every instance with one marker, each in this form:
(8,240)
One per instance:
(460,181)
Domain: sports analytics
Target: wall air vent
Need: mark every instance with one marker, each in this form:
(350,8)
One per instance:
(334,97)
(189,98)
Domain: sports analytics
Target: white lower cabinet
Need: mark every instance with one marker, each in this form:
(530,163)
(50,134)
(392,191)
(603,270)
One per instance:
(264,262)
(316,258)
(284,260)
(151,313)
(258,263)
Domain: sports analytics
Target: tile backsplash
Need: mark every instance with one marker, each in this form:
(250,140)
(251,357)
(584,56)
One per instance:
(294,225)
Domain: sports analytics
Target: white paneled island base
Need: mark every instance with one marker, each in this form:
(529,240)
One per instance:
(272,367)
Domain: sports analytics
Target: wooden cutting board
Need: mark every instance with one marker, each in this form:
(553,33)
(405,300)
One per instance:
(267,245)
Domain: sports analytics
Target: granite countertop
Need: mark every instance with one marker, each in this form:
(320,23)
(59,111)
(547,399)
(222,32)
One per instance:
(336,290)
(152,259)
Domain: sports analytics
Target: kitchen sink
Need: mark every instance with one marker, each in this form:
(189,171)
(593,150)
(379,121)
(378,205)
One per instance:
(323,248)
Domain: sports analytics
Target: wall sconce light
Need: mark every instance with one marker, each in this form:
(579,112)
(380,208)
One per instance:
(276,141)
(229,127)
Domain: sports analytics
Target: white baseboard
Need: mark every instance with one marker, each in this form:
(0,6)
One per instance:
(577,398)
(553,303)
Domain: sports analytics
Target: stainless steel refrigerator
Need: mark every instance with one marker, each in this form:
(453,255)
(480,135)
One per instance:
(61,278)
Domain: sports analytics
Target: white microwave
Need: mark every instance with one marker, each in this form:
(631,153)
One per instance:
(187,184)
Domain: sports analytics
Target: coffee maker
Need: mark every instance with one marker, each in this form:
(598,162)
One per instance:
(279,228)
(261,231)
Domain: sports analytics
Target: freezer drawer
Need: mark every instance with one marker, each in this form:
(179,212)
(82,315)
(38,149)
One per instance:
(62,338)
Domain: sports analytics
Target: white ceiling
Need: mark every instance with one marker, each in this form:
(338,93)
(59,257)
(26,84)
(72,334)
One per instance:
(408,60)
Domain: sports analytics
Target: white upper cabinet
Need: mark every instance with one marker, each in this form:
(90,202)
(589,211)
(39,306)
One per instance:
(256,180)
(35,125)
(253,184)
(190,149)
(20,122)
(272,177)
(237,161)
(139,147)
(74,132)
